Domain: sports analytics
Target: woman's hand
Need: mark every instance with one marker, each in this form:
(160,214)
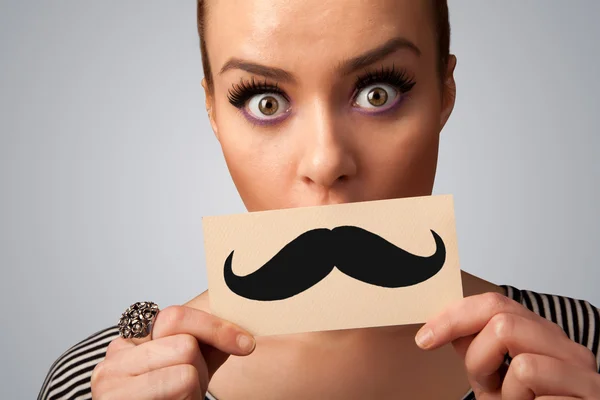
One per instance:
(546,364)
(186,349)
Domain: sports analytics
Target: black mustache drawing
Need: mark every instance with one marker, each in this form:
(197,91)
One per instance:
(356,252)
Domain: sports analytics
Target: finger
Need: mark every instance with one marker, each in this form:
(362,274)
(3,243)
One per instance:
(513,334)
(461,345)
(156,354)
(175,382)
(467,317)
(208,329)
(117,345)
(139,341)
(152,356)
(530,376)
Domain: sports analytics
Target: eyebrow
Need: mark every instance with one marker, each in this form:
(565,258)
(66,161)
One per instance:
(254,68)
(345,67)
(377,54)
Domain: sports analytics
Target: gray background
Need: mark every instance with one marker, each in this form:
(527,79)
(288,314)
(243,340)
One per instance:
(108,163)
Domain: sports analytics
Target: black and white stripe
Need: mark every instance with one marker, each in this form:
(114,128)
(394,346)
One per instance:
(69,376)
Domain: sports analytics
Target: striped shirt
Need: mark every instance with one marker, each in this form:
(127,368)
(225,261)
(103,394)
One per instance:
(69,376)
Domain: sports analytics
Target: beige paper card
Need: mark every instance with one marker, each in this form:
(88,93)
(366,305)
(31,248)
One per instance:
(355,265)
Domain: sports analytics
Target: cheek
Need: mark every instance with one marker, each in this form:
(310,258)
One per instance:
(256,163)
(401,157)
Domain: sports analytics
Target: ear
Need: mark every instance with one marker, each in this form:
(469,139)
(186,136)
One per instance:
(210,109)
(448,91)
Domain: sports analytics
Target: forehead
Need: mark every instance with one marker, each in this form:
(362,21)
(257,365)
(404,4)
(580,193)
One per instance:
(293,32)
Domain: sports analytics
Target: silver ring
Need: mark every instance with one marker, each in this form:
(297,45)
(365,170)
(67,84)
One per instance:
(136,322)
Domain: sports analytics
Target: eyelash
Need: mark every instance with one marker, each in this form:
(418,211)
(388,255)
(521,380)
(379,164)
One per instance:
(240,93)
(391,76)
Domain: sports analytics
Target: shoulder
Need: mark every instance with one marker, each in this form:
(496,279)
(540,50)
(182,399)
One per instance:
(69,375)
(578,318)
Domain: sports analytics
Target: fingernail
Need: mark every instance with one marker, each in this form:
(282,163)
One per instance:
(245,343)
(424,338)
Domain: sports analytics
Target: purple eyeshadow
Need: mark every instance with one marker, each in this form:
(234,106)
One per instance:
(264,122)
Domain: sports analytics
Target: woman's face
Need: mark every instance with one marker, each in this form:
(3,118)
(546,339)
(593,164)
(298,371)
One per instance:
(322,102)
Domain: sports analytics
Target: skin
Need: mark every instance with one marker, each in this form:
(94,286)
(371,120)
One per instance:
(325,151)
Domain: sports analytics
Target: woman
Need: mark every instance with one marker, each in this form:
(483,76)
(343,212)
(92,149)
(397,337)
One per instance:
(318,102)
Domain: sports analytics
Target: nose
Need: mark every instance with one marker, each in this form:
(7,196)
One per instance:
(327,159)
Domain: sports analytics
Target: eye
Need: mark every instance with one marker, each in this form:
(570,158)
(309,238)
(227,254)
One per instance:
(267,106)
(376,96)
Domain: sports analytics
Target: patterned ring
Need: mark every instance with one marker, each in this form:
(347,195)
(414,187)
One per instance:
(136,322)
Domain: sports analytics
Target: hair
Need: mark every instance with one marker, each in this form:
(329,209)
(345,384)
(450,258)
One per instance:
(442,31)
